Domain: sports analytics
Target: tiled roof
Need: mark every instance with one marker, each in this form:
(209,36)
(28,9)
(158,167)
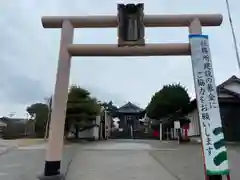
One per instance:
(13,120)
(130,108)
(230,80)
(221,89)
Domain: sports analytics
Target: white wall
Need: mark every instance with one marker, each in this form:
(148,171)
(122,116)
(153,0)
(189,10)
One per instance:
(94,132)
(194,126)
(97,128)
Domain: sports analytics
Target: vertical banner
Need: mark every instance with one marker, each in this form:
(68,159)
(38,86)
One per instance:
(214,149)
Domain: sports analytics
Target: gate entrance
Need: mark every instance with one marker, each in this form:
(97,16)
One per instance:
(130,23)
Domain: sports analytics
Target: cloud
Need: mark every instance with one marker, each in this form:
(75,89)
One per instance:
(17,88)
(106,96)
(22,90)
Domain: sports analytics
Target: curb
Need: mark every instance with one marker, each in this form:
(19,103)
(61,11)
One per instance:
(30,142)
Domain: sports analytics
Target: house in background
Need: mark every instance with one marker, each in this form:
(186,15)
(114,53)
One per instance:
(229,104)
(2,126)
(129,114)
(16,127)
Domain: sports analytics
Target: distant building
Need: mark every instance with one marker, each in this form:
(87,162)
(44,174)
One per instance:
(2,126)
(129,115)
(16,127)
(229,103)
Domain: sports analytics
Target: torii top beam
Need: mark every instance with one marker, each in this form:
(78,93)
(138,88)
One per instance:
(149,21)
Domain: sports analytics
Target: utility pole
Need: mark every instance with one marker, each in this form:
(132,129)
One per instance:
(233,34)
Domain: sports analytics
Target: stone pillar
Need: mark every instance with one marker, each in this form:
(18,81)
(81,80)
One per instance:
(56,133)
(160,131)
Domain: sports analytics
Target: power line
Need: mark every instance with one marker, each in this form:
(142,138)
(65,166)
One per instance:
(233,34)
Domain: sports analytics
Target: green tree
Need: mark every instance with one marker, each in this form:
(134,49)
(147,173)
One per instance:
(112,109)
(170,99)
(81,109)
(39,112)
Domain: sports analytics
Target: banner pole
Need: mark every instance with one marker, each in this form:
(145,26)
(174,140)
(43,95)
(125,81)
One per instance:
(213,146)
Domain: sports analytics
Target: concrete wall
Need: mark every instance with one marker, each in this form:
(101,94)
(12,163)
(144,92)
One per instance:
(97,128)
(95,131)
(88,133)
(194,126)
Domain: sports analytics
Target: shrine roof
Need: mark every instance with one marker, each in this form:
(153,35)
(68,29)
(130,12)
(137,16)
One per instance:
(130,108)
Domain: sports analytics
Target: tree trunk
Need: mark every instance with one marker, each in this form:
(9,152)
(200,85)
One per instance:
(66,128)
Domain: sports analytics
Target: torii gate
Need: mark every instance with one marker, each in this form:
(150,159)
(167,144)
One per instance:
(215,159)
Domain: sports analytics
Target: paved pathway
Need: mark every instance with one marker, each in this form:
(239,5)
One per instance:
(143,159)
(26,163)
(117,160)
(5,146)
(186,163)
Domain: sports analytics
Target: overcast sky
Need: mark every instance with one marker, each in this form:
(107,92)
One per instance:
(29,53)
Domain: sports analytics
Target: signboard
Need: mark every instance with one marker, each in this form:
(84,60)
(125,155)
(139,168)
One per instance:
(176,124)
(214,149)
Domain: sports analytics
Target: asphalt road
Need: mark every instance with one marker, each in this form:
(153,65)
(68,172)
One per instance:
(26,163)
